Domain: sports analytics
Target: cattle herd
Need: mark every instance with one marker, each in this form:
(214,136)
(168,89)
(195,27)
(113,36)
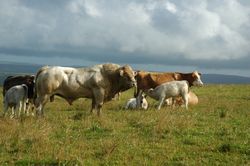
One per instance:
(100,83)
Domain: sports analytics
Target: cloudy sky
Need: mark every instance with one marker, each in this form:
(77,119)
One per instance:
(212,36)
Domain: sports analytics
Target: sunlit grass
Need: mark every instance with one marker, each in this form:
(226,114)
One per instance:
(215,132)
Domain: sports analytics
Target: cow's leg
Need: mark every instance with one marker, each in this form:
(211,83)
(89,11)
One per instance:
(40,103)
(162,99)
(185,98)
(138,99)
(92,105)
(173,102)
(17,108)
(52,98)
(21,108)
(31,106)
(136,91)
(28,105)
(5,109)
(24,107)
(13,111)
(99,98)
(119,95)
(169,101)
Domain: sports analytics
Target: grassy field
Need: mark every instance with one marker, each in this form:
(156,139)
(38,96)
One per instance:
(215,132)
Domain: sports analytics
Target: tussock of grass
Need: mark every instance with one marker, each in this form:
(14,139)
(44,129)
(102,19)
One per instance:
(215,132)
(225,147)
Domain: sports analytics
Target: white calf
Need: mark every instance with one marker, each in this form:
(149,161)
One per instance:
(16,98)
(169,89)
(142,103)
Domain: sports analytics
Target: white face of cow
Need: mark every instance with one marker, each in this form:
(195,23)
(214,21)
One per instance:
(128,76)
(197,79)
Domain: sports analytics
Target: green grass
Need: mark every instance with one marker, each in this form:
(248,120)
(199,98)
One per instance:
(215,132)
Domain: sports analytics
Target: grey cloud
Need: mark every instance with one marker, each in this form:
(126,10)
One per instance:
(208,34)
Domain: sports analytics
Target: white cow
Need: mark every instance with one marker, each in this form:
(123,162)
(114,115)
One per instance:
(99,83)
(169,89)
(16,97)
(142,102)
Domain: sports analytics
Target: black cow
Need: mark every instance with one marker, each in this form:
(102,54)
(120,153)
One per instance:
(19,80)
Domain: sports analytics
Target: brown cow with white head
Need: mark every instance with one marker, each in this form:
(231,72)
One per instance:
(147,80)
(99,83)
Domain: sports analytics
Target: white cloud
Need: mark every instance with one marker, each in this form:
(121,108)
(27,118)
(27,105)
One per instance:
(171,7)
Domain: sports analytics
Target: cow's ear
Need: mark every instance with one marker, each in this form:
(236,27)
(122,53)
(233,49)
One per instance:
(121,72)
(135,73)
(199,74)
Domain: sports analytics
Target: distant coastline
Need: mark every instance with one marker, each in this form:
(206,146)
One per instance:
(7,69)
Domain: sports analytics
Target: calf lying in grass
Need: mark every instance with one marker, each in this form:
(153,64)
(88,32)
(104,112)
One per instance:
(192,99)
(139,102)
(170,89)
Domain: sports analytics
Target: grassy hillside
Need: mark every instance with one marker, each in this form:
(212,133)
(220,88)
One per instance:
(215,132)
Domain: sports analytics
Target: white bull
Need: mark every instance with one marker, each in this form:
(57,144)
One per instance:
(99,83)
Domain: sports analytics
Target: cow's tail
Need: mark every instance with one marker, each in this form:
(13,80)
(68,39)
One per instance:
(35,81)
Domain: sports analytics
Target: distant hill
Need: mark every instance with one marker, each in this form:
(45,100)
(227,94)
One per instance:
(7,69)
(224,79)
(18,68)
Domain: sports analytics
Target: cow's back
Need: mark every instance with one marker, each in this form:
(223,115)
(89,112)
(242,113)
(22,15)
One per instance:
(69,83)
(48,79)
(11,81)
(16,93)
(172,88)
(147,80)
(160,78)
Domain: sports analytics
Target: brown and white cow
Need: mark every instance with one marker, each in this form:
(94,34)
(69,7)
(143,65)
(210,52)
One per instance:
(99,83)
(147,80)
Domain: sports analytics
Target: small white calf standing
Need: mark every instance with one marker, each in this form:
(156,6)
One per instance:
(16,98)
(169,89)
(142,103)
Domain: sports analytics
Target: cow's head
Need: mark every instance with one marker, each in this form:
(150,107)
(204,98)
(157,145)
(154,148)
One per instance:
(197,79)
(30,82)
(149,92)
(127,77)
